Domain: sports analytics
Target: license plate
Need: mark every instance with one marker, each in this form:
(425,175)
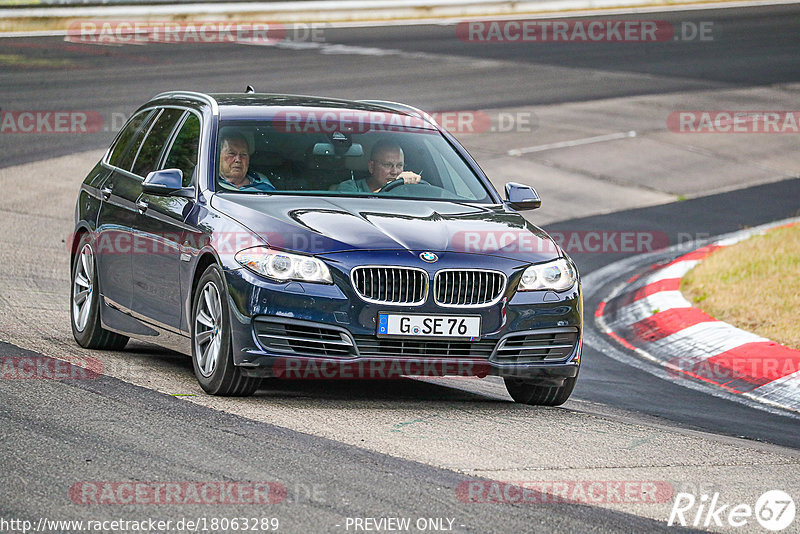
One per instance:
(452,326)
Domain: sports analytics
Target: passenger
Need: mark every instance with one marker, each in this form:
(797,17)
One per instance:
(385,165)
(234,160)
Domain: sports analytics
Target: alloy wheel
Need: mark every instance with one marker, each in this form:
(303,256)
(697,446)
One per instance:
(208,329)
(82,287)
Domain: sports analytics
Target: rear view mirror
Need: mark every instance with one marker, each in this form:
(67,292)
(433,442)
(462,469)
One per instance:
(327,149)
(522,197)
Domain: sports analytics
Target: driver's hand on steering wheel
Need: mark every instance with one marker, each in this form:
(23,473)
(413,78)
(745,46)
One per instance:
(409,177)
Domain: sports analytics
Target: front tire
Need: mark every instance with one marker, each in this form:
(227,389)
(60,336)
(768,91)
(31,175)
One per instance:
(84,309)
(212,357)
(530,392)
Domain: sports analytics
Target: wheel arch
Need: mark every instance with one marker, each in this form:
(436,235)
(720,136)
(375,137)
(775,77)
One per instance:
(74,240)
(206,259)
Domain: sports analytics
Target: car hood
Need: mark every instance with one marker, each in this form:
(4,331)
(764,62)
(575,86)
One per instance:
(324,225)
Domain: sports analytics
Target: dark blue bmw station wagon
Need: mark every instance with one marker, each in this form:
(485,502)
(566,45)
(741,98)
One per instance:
(304,237)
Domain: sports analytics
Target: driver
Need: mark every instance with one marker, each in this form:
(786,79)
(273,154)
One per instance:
(385,165)
(234,161)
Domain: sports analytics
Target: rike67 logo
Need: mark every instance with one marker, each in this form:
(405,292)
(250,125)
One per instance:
(774,510)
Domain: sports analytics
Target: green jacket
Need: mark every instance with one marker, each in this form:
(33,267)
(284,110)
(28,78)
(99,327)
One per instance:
(354,186)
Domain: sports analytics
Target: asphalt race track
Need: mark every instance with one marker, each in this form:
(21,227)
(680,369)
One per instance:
(353,449)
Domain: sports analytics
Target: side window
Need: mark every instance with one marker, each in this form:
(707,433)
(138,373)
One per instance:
(130,137)
(183,154)
(454,173)
(126,162)
(153,145)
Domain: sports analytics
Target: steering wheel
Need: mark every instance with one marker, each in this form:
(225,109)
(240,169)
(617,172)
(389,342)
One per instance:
(397,183)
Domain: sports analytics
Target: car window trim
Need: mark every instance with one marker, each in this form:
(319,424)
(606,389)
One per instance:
(207,99)
(160,108)
(174,136)
(492,196)
(126,172)
(106,157)
(144,140)
(162,160)
(170,135)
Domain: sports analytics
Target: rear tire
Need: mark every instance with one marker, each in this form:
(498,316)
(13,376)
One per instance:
(212,357)
(531,392)
(84,309)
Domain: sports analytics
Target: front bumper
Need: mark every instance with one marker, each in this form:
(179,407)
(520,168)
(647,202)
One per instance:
(313,331)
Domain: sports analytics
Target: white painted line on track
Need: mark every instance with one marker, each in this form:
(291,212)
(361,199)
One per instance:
(351,50)
(574,142)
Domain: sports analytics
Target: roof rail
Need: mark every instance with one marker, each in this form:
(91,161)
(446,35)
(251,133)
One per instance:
(405,108)
(191,94)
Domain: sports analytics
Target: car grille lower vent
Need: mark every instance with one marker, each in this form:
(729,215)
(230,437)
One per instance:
(391,285)
(537,346)
(463,288)
(301,339)
(290,338)
(372,347)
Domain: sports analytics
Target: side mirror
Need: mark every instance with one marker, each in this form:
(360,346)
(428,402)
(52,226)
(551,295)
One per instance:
(166,182)
(522,197)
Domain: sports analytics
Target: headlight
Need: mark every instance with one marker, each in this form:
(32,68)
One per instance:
(283,266)
(557,275)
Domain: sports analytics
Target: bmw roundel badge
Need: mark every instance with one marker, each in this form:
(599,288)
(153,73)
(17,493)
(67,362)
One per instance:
(429,257)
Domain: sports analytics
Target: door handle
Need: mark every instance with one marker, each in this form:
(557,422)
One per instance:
(106,192)
(142,205)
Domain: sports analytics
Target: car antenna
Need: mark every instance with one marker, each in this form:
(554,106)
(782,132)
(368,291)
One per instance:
(249,89)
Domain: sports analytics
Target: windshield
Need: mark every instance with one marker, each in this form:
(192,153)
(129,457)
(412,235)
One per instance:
(282,156)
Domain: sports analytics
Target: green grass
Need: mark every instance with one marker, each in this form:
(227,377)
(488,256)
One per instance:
(24,61)
(754,285)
